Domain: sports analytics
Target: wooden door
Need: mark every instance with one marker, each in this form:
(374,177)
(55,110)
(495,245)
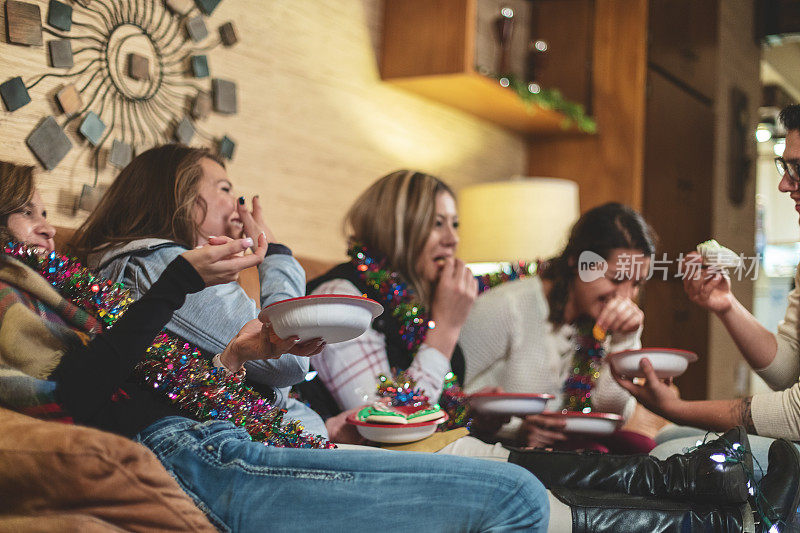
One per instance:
(683,42)
(678,174)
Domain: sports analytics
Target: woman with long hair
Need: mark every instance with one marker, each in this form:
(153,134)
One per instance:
(170,199)
(531,334)
(240,484)
(403,232)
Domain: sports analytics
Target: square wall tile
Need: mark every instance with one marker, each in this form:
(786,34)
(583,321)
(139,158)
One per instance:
(23,23)
(49,143)
(14,94)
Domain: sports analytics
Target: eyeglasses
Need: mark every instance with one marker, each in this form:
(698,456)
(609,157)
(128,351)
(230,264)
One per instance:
(788,167)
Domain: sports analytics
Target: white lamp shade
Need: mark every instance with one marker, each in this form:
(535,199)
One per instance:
(518,220)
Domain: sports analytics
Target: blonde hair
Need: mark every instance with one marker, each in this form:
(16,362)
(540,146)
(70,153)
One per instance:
(395,217)
(154,196)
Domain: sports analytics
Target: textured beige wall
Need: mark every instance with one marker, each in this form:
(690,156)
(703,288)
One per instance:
(315,124)
(738,66)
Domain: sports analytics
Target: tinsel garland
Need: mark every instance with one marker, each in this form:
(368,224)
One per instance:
(175,368)
(414,324)
(517,270)
(101,298)
(589,353)
(403,390)
(395,294)
(181,373)
(455,403)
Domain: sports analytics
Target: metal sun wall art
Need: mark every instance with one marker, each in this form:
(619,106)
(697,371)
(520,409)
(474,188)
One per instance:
(136,75)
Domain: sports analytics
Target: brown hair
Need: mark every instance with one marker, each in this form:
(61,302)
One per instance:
(394,217)
(600,230)
(16,192)
(17,189)
(153,196)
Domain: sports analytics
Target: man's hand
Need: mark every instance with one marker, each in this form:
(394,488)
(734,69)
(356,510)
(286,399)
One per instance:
(656,394)
(710,289)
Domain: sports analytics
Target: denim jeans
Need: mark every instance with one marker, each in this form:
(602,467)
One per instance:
(245,486)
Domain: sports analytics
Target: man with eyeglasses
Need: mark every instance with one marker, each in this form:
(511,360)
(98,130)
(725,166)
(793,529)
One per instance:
(776,358)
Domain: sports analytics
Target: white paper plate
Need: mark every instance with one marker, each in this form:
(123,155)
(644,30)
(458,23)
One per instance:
(667,362)
(588,423)
(395,433)
(507,403)
(334,318)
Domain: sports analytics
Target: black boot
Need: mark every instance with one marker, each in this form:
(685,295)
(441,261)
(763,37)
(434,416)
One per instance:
(714,472)
(596,511)
(780,490)
(774,506)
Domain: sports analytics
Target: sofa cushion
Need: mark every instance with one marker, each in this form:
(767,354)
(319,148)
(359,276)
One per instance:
(51,469)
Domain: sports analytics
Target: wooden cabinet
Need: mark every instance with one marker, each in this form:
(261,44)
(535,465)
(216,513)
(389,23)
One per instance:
(442,49)
(567,27)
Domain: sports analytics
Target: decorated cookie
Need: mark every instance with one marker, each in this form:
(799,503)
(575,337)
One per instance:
(380,413)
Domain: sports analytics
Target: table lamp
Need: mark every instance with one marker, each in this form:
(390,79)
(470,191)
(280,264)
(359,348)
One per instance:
(522,219)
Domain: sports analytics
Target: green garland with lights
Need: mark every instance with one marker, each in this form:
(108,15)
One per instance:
(574,113)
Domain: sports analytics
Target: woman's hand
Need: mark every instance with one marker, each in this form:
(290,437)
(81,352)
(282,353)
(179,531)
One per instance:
(257,340)
(339,431)
(621,315)
(221,260)
(655,394)
(539,431)
(487,424)
(455,293)
(707,288)
(253,221)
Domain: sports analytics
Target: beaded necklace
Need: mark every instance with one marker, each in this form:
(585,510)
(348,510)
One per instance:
(589,353)
(178,370)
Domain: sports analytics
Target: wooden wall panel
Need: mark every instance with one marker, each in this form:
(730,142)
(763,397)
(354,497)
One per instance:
(607,166)
(677,199)
(445,45)
(684,43)
(315,124)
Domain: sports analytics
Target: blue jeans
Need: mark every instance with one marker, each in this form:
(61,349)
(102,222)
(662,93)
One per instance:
(245,486)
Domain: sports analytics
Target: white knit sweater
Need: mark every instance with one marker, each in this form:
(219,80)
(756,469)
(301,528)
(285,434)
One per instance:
(777,414)
(508,342)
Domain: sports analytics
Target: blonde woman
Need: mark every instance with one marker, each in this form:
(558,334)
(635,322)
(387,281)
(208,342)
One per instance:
(403,232)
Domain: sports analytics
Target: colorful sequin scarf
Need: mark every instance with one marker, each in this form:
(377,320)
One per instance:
(176,369)
(585,370)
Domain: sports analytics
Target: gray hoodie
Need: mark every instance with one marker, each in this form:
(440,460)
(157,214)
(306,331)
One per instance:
(210,318)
